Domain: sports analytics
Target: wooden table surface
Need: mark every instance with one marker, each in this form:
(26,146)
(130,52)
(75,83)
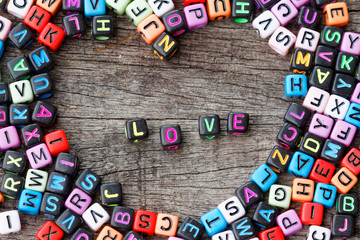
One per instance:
(221,68)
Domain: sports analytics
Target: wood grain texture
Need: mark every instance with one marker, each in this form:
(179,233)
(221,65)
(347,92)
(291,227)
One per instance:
(221,68)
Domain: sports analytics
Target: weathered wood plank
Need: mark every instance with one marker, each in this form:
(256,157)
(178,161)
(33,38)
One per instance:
(221,68)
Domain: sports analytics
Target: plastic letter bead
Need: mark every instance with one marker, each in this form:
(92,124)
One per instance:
(174,22)
(14,162)
(10,222)
(52,6)
(231,209)
(322,171)
(307,39)
(9,138)
(165,46)
(342,226)
(30,202)
(343,85)
(289,136)
(37,18)
(301,61)
(284,11)
(122,218)
(296,86)
(264,177)
(78,201)
(196,16)
(337,107)
(111,194)
(32,135)
(352,115)
(265,215)
(242,10)
(325,194)
(336,14)
(117,6)
(166,225)
(355,97)
(301,164)
(237,123)
(280,196)
(88,181)
(137,11)
(39,156)
(347,204)
(308,17)
(311,213)
(302,190)
(150,29)
(11,186)
(19,68)
(40,60)
(52,36)
(265,24)
(19,115)
(21,92)
(316,99)
(321,125)
(344,180)
(69,221)
(19,8)
(325,56)
(44,113)
(94,8)
(350,43)
(352,161)
(209,126)
(95,217)
(282,41)
(322,77)
(131,235)
(289,222)
(74,25)
(49,229)
(213,222)
(317,232)
(249,194)
(110,233)
(56,142)
(272,233)
(36,180)
(218,9)
(343,132)
(52,204)
(82,234)
(160,7)
(332,36)
(190,229)
(58,183)
(102,27)
(41,86)
(297,114)
(21,36)
(145,222)
(6,27)
(75,6)
(243,228)
(229,235)
(170,136)
(279,159)
(346,63)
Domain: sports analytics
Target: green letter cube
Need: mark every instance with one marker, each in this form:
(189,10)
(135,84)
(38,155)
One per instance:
(138,10)
(118,6)
(280,196)
(36,180)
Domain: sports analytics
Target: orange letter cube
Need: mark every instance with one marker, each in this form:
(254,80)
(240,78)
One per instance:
(151,28)
(166,225)
(344,180)
(303,190)
(218,9)
(336,14)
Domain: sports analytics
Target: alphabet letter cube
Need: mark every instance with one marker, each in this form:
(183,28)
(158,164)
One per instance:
(56,142)
(19,8)
(136,129)
(218,10)
(36,180)
(137,11)
(10,222)
(342,226)
(272,233)
(52,36)
(134,235)
(280,196)
(82,233)
(346,63)
(74,25)
(19,115)
(344,180)
(312,144)
(243,228)
(282,41)
(58,183)
(4,93)
(165,46)
(209,126)
(111,194)
(336,14)
(322,77)
(316,99)
(322,171)
(347,204)
(88,181)
(321,125)
(108,232)
(302,190)
(161,7)
(170,136)
(249,194)
(289,222)
(352,161)
(44,113)
(302,61)
(14,162)
(311,213)
(296,86)
(307,39)
(21,36)
(231,209)
(66,163)
(30,202)
(102,27)
(229,235)
(78,201)
(343,132)
(174,22)
(279,159)
(265,215)
(41,85)
(317,232)
(297,114)
(196,16)
(144,222)
(9,138)
(40,60)
(51,204)
(39,156)
(122,218)
(190,229)
(242,10)
(151,28)
(237,123)
(6,27)
(265,24)
(166,225)
(264,177)
(308,17)
(37,18)
(32,135)
(11,185)
(49,229)
(289,136)
(332,36)
(19,68)
(69,221)
(21,92)
(71,6)
(325,194)
(50,6)
(213,222)
(284,11)
(325,56)
(95,217)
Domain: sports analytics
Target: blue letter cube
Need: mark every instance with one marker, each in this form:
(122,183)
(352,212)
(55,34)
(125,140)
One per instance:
(325,194)
(264,177)
(296,86)
(353,115)
(30,202)
(94,8)
(301,165)
(214,222)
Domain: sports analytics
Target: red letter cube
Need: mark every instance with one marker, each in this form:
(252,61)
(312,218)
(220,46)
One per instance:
(52,36)
(49,231)
(311,213)
(352,161)
(145,222)
(322,171)
(37,18)
(56,142)
(274,233)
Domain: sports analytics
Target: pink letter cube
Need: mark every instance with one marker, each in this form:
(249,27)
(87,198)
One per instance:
(284,11)
(289,222)
(321,125)
(316,99)
(196,16)
(5,29)
(9,138)
(307,39)
(78,201)
(282,40)
(39,156)
(350,43)
(343,132)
